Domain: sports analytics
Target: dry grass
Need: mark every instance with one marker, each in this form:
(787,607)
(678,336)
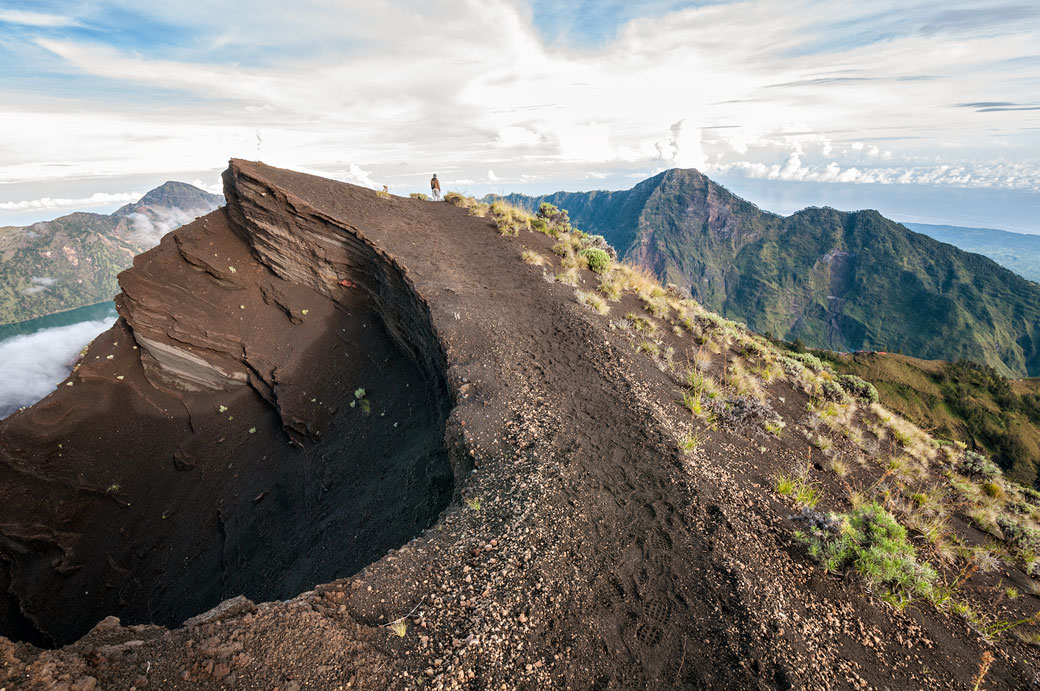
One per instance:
(532,257)
(592,301)
(569,277)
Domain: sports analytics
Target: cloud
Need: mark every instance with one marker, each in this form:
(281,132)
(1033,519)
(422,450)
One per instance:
(96,199)
(39,284)
(38,19)
(381,91)
(359,176)
(32,365)
(150,227)
(212,188)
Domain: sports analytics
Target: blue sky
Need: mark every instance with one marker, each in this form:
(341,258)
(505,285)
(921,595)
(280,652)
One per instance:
(926,110)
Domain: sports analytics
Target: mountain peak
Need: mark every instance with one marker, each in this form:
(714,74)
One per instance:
(172,194)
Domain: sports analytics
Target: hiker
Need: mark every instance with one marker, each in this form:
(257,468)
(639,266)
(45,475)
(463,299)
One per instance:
(435,187)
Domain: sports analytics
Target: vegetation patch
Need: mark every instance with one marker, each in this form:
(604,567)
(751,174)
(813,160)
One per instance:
(598,260)
(870,541)
(592,301)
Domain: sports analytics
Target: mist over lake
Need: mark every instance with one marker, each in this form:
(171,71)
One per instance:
(32,364)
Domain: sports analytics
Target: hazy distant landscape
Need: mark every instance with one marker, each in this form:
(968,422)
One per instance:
(1016,251)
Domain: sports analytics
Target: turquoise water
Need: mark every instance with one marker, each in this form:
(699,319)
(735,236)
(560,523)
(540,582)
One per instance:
(102,310)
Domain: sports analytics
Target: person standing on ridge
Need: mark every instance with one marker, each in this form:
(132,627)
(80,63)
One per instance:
(435,187)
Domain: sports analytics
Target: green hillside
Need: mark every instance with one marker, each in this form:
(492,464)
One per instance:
(961,401)
(1019,252)
(73,261)
(836,280)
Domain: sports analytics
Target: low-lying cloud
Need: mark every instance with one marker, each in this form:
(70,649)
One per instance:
(32,365)
(149,228)
(39,284)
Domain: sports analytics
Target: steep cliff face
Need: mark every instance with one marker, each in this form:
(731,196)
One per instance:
(267,414)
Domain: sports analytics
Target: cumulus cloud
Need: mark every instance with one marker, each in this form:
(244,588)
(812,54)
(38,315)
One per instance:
(212,188)
(359,176)
(39,284)
(32,365)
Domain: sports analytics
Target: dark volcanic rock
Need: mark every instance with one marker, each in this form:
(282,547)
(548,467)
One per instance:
(212,443)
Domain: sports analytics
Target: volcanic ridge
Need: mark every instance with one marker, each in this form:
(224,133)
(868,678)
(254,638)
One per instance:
(340,439)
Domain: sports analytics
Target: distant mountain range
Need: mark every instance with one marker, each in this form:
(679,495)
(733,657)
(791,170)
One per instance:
(835,280)
(72,261)
(1019,252)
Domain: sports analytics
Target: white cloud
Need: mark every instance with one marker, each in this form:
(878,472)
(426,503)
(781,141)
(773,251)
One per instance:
(39,284)
(212,188)
(359,176)
(96,199)
(150,227)
(381,91)
(35,19)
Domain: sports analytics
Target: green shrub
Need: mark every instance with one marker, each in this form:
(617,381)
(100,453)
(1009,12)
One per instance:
(832,391)
(809,360)
(799,487)
(859,388)
(557,220)
(599,261)
(419,195)
(455,198)
(752,350)
(1022,537)
(871,541)
(977,466)
(1031,496)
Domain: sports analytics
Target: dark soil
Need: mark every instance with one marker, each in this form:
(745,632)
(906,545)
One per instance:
(153,505)
(583,551)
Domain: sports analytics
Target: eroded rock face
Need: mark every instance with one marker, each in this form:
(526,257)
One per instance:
(267,414)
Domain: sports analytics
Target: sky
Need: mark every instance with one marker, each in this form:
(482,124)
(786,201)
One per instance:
(928,110)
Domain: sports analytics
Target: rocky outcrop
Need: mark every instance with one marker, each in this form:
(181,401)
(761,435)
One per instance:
(267,414)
